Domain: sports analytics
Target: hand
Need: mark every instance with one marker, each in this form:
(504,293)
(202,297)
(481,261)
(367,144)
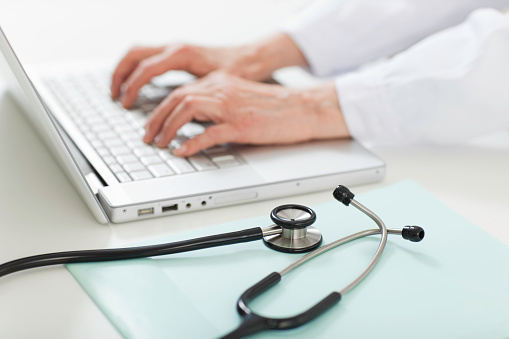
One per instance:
(246,112)
(255,62)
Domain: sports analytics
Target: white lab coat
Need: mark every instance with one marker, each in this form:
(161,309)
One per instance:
(444,76)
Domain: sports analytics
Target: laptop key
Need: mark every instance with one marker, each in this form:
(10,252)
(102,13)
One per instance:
(123,177)
(180,165)
(113,142)
(136,143)
(110,160)
(134,166)
(191,129)
(120,150)
(151,159)
(96,143)
(103,152)
(166,154)
(101,128)
(160,170)
(125,159)
(154,94)
(141,175)
(225,160)
(116,168)
(177,141)
(127,136)
(91,136)
(144,150)
(141,131)
(201,162)
(94,119)
(122,127)
(114,119)
(219,149)
(108,134)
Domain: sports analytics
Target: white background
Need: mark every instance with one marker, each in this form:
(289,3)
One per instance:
(41,212)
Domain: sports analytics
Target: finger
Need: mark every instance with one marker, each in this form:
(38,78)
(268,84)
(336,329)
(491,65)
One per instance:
(214,135)
(150,67)
(191,107)
(158,116)
(156,119)
(128,64)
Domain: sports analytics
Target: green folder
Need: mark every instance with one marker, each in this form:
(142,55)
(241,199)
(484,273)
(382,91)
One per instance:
(453,284)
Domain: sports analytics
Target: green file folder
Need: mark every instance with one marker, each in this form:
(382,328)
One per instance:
(454,284)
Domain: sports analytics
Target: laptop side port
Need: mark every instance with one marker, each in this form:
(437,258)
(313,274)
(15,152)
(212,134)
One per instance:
(145,211)
(170,208)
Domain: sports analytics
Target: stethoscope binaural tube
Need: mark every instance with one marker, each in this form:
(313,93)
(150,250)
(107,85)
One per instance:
(253,323)
(291,235)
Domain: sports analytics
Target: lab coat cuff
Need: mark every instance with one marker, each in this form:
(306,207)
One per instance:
(306,34)
(365,103)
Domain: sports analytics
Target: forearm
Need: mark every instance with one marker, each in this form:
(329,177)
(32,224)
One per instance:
(260,59)
(326,119)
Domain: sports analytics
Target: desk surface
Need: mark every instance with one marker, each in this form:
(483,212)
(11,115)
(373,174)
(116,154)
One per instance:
(41,212)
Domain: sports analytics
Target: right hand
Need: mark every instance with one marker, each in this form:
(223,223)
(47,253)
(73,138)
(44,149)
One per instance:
(253,62)
(246,112)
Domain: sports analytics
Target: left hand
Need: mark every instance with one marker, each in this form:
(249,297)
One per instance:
(247,112)
(254,61)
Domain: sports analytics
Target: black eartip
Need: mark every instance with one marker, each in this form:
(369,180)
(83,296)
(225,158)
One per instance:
(343,194)
(413,233)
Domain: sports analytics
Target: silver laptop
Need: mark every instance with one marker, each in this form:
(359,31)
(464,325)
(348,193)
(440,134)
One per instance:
(98,144)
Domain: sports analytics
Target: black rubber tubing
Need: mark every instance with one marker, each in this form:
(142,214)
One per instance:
(254,323)
(102,255)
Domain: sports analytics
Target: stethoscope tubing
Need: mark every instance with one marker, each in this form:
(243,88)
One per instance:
(253,323)
(379,251)
(83,256)
(68,257)
(293,224)
(332,245)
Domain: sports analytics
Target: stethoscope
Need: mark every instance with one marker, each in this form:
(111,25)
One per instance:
(292,233)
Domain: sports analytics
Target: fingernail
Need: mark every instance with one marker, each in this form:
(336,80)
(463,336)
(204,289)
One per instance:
(147,132)
(146,139)
(181,150)
(156,140)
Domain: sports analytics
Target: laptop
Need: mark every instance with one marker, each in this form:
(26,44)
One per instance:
(98,144)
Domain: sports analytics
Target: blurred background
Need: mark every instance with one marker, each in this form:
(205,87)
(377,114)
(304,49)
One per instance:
(105,29)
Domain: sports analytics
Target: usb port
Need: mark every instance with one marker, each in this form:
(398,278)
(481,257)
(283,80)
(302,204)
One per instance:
(170,208)
(145,211)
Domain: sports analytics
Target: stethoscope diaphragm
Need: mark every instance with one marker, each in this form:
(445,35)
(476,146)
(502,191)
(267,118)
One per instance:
(296,233)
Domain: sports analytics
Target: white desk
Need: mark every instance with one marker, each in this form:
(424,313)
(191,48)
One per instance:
(41,212)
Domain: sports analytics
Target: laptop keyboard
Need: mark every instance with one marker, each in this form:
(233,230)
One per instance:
(116,133)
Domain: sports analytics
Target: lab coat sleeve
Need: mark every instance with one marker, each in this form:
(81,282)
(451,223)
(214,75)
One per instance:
(449,87)
(337,36)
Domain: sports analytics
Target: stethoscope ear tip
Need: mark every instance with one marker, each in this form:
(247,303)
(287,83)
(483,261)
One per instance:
(413,233)
(343,195)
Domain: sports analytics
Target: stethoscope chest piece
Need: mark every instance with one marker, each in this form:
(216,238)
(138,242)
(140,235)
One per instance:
(297,234)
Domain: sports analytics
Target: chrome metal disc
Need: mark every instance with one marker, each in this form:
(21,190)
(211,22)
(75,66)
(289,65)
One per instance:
(293,216)
(283,243)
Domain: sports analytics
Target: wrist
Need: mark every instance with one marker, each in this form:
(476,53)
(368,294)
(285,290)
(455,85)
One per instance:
(327,118)
(262,58)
